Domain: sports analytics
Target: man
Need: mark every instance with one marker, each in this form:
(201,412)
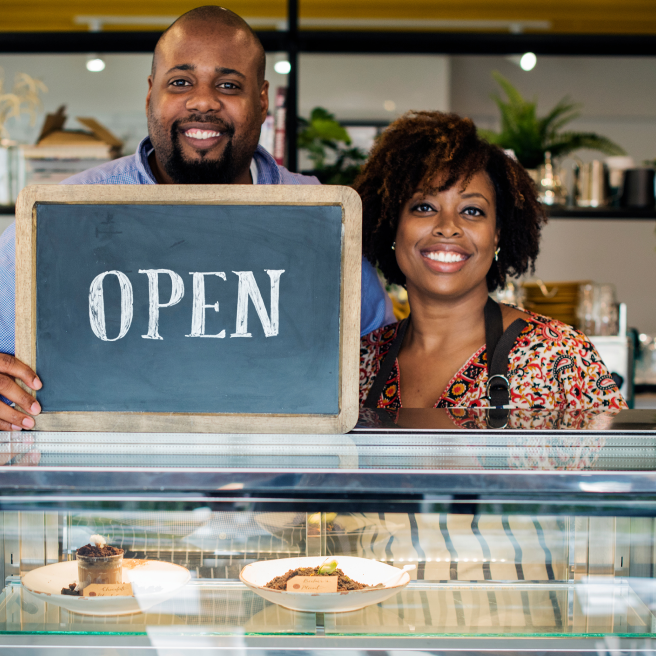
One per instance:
(207,99)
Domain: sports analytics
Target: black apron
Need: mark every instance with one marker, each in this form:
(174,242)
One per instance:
(498,345)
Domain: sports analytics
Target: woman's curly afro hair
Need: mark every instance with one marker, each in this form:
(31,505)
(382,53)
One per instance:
(407,157)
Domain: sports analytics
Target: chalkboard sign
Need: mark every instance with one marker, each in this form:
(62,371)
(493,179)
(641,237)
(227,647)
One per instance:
(190,308)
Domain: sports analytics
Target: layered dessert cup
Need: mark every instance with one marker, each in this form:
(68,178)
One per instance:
(99,562)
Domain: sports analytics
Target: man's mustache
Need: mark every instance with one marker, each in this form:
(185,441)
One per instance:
(218,124)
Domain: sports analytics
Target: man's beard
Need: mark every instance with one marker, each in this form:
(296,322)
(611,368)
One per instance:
(233,160)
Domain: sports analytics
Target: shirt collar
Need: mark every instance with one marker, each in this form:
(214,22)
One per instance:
(143,152)
(267,171)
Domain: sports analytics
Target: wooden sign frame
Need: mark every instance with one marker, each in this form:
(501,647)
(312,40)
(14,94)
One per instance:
(308,195)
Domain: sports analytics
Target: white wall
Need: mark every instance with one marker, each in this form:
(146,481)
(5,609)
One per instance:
(357,87)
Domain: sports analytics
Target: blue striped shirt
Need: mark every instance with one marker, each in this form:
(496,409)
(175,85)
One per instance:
(134,169)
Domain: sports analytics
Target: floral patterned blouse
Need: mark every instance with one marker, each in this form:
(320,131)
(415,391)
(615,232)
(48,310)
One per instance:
(551,366)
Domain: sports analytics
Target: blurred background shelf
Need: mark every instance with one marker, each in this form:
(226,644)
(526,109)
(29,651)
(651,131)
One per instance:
(601,213)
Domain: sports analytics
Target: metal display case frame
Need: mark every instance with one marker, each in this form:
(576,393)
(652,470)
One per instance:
(585,487)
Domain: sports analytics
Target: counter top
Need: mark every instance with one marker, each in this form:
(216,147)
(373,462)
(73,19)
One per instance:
(415,456)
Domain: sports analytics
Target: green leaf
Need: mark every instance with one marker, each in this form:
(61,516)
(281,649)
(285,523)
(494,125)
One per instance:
(531,136)
(513,94)
(567,142)
(325,139)
(560,115)
(488,135)
(328,568)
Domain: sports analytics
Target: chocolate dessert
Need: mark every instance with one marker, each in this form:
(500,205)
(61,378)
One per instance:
(98,562)
(343,583)
(99,552)
(71,591)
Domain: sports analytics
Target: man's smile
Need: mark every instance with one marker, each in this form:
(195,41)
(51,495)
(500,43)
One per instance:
(202,135)
(195,133)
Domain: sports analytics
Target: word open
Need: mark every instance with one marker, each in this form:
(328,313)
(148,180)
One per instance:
(247,289)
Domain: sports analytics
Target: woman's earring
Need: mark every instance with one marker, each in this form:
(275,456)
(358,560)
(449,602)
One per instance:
(393,246)
(496,255)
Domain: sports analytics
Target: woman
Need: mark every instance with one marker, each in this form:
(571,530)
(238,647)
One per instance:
(450,216)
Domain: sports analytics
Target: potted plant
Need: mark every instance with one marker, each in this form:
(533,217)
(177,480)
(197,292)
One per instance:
(329,148)
(531,136)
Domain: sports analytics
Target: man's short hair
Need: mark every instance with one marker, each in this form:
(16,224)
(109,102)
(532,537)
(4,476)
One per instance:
(221,16)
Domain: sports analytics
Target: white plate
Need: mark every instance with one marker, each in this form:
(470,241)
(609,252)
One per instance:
(153,581)
(362,570)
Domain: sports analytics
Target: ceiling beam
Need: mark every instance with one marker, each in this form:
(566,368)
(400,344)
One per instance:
(348,41)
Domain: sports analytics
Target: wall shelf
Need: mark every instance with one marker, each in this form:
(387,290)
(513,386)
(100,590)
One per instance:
(601,213)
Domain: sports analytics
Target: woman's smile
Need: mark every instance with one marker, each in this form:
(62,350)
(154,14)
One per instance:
(444,258)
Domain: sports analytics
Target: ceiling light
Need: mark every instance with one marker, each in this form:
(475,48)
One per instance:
(528,61)
(389,105)
(282,67)
(95,64)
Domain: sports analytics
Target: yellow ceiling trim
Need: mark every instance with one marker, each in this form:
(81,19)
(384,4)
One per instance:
(562,16)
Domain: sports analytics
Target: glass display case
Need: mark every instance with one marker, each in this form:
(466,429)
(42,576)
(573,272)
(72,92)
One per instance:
(538,534)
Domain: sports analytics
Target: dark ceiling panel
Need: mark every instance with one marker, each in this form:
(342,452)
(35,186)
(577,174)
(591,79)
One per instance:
(352,42)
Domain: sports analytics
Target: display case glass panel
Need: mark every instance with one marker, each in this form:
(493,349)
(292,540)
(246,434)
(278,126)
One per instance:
(512,533)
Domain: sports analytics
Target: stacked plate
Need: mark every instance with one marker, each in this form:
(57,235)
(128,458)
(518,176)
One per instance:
(557,300)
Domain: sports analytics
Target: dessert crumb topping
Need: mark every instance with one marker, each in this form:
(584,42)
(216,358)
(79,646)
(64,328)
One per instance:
(90,550)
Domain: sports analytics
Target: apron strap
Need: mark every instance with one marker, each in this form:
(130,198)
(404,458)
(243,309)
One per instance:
(386,366)
(493,329)
(498,346)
